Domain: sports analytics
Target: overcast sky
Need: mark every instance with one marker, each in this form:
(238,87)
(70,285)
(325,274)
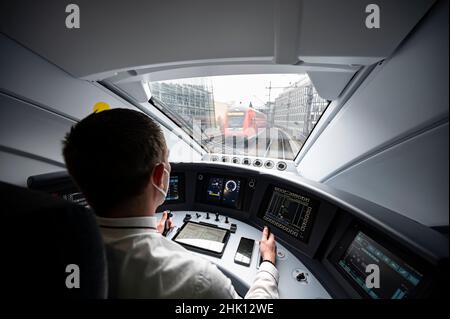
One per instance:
(251,88)
(246,88)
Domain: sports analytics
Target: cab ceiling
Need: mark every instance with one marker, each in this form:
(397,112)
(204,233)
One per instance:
(118,36)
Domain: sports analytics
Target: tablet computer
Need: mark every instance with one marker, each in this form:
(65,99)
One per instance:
(204,238)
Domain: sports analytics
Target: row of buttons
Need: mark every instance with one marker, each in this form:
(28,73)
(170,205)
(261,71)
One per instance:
(281,166)
(283,227)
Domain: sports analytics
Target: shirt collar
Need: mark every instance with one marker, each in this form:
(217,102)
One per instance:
(145,222)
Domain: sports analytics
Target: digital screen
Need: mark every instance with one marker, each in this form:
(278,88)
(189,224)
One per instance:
(231,192)
(291,212)
(173,192)
(202,236)
(223,191)
(215,189)
(396,278)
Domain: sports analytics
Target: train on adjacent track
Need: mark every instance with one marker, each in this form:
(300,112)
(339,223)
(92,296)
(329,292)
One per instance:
(243,122)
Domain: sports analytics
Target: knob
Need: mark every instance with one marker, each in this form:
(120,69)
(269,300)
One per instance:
(217,217)
(226,220)
(207,215)
(301,277)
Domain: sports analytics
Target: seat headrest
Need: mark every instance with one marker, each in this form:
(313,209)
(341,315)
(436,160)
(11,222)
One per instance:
(42,235)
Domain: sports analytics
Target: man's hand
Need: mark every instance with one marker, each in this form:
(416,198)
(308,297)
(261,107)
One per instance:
(267,246)
(162,222)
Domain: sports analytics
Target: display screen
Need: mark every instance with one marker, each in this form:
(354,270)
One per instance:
(293,213)
(203,237)
(396,278)
(223,191)
(173,192)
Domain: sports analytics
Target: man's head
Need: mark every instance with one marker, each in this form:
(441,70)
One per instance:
(117,157)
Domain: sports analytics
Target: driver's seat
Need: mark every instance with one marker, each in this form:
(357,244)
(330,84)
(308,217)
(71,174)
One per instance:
(40,236)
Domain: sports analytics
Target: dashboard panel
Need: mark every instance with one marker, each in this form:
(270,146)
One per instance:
(325,228)
(400,275)
(222,191)
(327,237)
(294,213)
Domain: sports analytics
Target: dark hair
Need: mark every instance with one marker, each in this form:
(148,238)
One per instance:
(111,155)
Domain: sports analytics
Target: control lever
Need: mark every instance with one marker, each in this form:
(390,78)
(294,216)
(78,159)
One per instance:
(187,217)
(217,217)
(207,215)
(167,223)
(226,220)
(197,215)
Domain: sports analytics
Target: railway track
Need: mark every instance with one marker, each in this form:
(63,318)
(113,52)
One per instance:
(274,143)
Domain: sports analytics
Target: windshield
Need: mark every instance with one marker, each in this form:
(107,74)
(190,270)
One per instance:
(235,121)
(253,115)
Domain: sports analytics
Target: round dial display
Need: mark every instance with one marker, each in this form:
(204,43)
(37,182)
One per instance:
(231,186)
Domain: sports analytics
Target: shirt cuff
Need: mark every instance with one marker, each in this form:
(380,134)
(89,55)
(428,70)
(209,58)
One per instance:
(269,267)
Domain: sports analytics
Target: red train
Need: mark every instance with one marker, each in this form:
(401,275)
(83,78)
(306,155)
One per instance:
(243,122)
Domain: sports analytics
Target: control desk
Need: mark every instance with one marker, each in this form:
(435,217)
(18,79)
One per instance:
(326,238)
(296,281)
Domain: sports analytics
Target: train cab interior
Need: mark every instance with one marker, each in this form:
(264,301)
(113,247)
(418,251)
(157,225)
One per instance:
(326,121)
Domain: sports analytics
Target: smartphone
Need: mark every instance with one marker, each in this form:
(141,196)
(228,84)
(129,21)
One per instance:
(244,252)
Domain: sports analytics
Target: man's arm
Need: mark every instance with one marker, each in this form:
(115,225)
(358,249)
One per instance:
(265,284)
(216,285)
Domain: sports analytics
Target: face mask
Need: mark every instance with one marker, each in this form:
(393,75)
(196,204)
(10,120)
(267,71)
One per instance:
(164,191)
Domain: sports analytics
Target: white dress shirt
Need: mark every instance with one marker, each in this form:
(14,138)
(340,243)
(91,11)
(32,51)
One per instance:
(144,264)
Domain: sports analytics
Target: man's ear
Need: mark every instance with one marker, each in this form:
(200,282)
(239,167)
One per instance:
(158,174)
